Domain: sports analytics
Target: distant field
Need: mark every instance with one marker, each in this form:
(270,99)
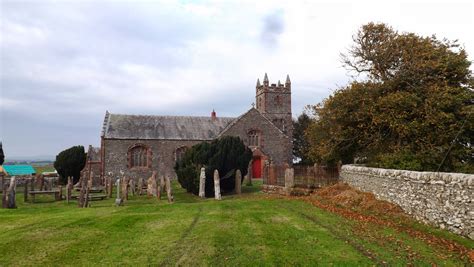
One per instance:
(253,229)
(45,168)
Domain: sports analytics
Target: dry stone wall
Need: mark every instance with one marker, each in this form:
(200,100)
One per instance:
(445,200)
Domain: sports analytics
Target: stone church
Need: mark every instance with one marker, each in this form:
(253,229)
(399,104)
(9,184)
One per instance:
(135,145)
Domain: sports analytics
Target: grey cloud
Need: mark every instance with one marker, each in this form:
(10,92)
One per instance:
(273,27)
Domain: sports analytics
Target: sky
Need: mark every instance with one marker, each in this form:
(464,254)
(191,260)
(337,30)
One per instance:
(64,63)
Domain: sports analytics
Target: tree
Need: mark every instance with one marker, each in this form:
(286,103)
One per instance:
(70,162)
(300,141)
(2,156)
(414,109)
(226,154)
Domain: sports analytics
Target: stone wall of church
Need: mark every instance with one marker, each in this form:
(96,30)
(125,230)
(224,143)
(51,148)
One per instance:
(274,144)
(163,157)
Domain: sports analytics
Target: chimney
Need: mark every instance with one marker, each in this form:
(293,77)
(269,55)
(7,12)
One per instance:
(213,115)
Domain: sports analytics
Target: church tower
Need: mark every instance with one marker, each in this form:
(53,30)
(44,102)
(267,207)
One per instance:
(274,102)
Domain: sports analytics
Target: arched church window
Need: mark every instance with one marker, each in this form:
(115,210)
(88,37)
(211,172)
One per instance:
(139,155)
(254,138)
(179,153)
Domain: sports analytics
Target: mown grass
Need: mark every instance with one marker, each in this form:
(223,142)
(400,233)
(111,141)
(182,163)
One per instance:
(246,230)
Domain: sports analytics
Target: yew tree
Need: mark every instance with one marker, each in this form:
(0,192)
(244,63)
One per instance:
(70,162)
(411,106)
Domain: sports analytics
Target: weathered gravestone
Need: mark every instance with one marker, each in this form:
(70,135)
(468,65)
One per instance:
(118,200)
(69,187)
(140,185)
(238,182)
(202,183)
(131,185)
(125,188)
(168,189)
(10,194)
(217,186)
(151,185)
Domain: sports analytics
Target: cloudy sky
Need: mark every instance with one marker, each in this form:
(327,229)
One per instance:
(64,63)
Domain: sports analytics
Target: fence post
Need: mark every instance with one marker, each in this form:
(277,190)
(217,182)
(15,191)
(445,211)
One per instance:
(25,191)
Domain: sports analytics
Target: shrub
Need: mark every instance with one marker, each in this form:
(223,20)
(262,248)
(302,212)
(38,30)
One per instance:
(226,154)
(70,162)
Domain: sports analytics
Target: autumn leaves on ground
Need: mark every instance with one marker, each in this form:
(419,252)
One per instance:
(337,225)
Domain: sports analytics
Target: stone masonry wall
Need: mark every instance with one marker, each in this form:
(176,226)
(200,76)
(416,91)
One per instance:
(274,144)
(445,200)
(163,157)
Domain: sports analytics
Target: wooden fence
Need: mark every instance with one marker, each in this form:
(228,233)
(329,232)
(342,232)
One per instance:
(304,176)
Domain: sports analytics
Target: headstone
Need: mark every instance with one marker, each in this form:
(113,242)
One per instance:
(161,186)
(131,186)
(88,185)
(110,186)
(40,181)
(248,181)
(124,188)
(4,196)
(140,185)
(202,183)
(238,182)
(82,193)
(118,200)
(217,185)
(289,178)
(151,185)
(69,189)
(1,182)
(168,189)
(11,194)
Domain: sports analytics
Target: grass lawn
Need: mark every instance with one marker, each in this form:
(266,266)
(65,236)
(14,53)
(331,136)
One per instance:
(251,229)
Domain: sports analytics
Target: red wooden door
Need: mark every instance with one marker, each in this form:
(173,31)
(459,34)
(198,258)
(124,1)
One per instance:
(257,168)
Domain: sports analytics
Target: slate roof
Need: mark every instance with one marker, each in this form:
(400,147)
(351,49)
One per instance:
(119,126)
(13,170)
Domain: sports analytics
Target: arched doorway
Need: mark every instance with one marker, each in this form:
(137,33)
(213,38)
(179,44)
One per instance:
(257,167)
(258,158)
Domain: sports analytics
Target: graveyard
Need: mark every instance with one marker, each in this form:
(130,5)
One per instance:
(253,228)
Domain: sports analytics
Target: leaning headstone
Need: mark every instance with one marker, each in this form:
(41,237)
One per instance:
(88,185)
(202,183)
(161,186)
(118,200)
(217,185)
(11,194)
(238,182)
(168,189)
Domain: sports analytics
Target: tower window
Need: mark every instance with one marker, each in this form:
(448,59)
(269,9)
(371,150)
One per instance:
(254,138)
